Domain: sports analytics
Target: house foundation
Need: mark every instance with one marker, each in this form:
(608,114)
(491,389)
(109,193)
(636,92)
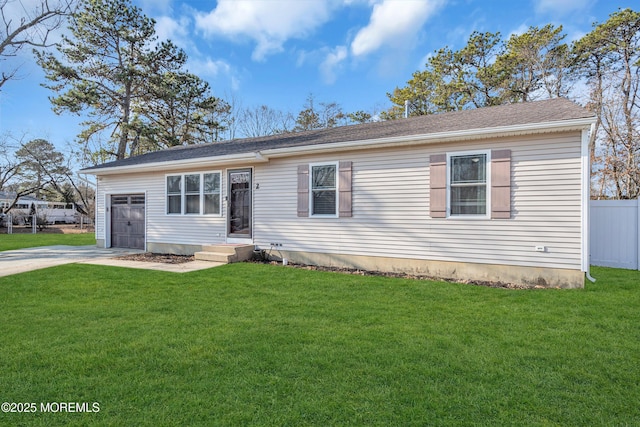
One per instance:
(462,271)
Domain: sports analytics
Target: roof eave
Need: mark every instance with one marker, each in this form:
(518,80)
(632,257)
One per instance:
(429,138)
(249,157)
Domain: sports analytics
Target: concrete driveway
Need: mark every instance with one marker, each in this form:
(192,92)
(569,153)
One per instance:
(28,259)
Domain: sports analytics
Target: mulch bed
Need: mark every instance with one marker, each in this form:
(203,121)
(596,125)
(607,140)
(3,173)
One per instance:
(161,258)
(406,276)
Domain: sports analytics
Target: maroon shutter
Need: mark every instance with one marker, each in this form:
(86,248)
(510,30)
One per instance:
(501,184)
(344,189)
(438,186)
(303,190)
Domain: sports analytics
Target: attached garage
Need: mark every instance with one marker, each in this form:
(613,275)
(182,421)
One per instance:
(127,221)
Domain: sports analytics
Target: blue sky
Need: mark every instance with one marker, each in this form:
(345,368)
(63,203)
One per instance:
(277,52)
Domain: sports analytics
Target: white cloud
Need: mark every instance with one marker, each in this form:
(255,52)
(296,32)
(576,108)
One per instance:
(170,29)
(574,35)
(269,23)
(422,65)
(393,23)
(561,7)
(332,62)
(215,70)
(521,29)
(208,67)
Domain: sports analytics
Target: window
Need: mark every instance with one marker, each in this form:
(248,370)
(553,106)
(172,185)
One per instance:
(488,182)
(200,194)
(326,187)
(211,193)
(323,189)
(137,200)
(468,184)
(174,194)
(119,200)
(192,194)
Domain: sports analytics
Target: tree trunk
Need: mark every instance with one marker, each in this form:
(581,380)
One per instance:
(124,124)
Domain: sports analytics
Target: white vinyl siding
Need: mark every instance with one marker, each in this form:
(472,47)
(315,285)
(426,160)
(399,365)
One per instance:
(390,207)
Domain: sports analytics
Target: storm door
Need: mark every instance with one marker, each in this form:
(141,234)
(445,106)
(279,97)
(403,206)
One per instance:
(239,204)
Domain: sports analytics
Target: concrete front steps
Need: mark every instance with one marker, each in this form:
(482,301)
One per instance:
(225,253)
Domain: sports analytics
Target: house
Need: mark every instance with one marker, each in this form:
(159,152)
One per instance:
(492,194)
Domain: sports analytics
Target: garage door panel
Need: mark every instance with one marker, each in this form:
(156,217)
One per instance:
(136,213)
(120,241)
(119,227)
(121,212)
(136,242)
(136,229)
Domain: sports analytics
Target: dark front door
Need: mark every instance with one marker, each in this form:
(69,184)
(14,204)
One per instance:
(239,215)
(127,221)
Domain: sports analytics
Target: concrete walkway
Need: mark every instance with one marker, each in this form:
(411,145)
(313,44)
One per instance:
(28,259)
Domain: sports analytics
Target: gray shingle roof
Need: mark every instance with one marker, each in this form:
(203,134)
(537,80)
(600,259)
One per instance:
(552,110)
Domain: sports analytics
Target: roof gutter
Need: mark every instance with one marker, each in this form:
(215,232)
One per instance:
(407,140)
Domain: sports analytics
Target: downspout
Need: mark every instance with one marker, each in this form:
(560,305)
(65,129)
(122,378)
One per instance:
(586,197)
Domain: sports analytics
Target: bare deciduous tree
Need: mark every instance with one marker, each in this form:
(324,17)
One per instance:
(22,27)
(609,57)
(263,120)
(8,164)
(34,166)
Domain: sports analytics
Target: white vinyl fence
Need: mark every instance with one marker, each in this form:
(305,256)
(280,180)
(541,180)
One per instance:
(615,233)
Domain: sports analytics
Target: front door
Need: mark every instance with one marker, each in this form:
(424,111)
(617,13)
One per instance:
(239,206)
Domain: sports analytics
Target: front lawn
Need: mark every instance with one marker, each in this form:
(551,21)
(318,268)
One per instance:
(19,241)
(249,344)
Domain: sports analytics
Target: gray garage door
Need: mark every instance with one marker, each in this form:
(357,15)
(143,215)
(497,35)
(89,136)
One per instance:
(127,221)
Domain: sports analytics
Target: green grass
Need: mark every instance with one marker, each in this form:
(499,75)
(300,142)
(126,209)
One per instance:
(19,241)
(248,344)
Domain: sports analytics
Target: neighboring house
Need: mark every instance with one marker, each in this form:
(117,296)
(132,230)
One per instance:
(493,194)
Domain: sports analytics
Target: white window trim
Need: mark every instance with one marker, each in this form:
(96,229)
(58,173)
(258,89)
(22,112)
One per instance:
(183,195)
(487,214)
(311,166)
